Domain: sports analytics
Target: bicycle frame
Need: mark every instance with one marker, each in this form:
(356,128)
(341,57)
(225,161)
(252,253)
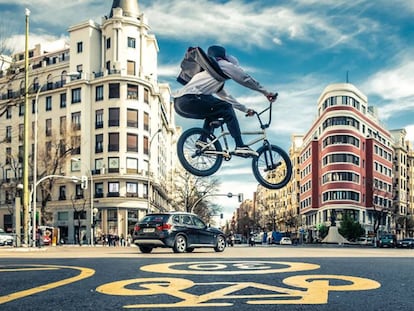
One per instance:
(226,153)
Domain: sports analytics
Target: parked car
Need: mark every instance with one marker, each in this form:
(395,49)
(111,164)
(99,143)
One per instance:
(406,243)
(183,232)
(285,241)
(387,240)
(365,241)
(5,238)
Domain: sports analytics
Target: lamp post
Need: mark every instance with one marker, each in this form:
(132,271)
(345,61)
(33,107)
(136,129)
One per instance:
(149,170)
(26,136)
(32,193)
(91,197)
(35,134)
(229,195)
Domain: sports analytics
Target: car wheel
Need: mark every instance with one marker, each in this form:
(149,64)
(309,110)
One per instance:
(190,249)
(180,244)
(221,244)
(145,249)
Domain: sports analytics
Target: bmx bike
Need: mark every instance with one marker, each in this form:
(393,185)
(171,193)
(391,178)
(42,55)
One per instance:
(272,168)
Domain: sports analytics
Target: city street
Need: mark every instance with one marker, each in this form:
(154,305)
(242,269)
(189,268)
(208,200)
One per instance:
(241,278)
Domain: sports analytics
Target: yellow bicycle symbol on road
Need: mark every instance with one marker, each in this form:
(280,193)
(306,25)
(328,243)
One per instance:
(303,289)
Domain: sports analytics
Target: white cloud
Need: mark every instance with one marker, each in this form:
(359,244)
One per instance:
(253,23)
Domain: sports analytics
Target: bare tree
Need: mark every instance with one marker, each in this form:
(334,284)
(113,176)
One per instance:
(79,207)
(190,189)
(53,157)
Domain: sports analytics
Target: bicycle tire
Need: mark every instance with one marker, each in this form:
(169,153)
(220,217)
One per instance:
(272,168)
(192,158)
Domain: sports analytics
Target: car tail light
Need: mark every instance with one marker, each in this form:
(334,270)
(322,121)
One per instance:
(136,228)
(164,227)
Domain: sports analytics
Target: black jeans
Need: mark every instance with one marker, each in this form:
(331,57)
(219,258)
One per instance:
(209,108)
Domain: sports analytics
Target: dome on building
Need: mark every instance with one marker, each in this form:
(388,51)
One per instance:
(129,7)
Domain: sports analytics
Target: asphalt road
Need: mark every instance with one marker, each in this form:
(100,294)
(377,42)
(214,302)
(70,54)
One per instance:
(241,278)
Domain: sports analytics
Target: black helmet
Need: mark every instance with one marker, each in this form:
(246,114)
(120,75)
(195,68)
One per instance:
(216,51)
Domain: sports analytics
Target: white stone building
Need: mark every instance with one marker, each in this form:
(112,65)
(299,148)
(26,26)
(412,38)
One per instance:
(116,119)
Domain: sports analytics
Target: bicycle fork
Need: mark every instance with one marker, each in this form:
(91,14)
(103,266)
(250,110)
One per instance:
(269,160)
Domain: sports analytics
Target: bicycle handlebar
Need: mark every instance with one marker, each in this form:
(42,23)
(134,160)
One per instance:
(271,99)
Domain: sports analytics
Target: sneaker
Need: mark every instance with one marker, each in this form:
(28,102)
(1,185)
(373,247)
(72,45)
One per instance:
(203,145)
(245,151)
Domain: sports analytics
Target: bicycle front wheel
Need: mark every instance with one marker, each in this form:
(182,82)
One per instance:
(199,162)
(272,168)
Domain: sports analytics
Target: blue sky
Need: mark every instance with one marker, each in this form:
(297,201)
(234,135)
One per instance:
(295,47)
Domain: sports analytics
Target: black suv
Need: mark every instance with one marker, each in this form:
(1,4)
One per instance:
(183,232)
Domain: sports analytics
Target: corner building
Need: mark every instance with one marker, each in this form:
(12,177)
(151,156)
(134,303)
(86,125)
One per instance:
(346,162)
(115,116)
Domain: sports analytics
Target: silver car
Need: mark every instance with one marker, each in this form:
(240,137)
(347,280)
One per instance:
(5,238)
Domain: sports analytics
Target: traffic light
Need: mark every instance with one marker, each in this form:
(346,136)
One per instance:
(84,182)
(240,197)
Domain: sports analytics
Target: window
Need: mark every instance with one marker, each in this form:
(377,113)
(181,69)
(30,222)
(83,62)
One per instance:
(146,145)
(99,93)
(63,216)
(99,119)
(132,142)
(8,155)
(146,96)
(62,192)
(76,144)
(132,118)
(131,42)
(132,189)
(98,190)
(21,132)
(76,121)
(146,121)
(131,68)
(113,144)
(99,143)
(132,165)
(79,69)
(33,106)
(8,113)
(113,90)
(48,103)
(8,134)
(79,46)
(62,126)
(76,95)
(99,166)
(113,117)
(108,43)
(21,109)
(113,165)
(48,127)
(113,189)
(63,100)
(132,91)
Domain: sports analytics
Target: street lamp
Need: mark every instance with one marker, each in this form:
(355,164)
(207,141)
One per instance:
(32,193)
(149,170)
(229,195)
(91,196)
(70,74)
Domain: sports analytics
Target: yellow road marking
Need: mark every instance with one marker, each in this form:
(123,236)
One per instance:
(84,273)
(237,267)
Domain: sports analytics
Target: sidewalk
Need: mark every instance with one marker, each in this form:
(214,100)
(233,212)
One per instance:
(243,251)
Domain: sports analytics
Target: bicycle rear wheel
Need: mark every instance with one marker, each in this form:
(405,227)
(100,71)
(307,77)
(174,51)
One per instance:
(272,168)
(196,161)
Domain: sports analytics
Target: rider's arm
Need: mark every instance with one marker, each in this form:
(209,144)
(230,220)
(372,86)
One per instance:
(237,74)
(230,99)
